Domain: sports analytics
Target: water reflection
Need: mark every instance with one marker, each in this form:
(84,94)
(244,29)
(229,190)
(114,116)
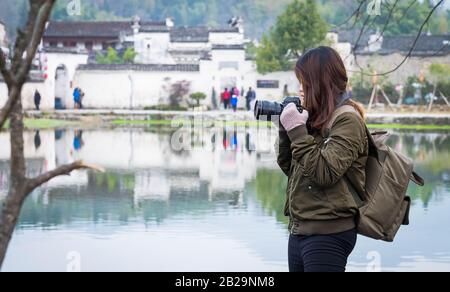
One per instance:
(226,192)
(37,140)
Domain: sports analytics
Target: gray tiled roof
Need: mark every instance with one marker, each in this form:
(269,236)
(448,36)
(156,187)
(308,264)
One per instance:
(154,28)
(224,30)
(61,50)
(113,30)
(186,34)
(351,36)
(228,47)
(427,45)
(102,29)
(197,34)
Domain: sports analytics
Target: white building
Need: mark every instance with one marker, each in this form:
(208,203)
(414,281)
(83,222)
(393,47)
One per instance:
(205,58)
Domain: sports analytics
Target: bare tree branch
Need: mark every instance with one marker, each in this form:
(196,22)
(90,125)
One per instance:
(35,39)
(62,170)
(24,36)
(413,47)
(361,33)
(356,13)
(405,13)
(386,24)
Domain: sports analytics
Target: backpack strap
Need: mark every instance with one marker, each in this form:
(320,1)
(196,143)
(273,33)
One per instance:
(417,179)
(337,113)
(373,148)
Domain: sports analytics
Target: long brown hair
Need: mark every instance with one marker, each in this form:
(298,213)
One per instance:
(323,76)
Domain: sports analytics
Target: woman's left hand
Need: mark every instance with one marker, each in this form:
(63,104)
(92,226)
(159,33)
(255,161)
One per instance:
(291,118)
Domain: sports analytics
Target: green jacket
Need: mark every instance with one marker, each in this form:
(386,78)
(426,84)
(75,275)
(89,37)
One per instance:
(320,199)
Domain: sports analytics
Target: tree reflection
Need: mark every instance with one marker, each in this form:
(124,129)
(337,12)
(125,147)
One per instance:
(270,187)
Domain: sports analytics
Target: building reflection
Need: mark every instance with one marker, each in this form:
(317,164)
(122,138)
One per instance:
(146,178)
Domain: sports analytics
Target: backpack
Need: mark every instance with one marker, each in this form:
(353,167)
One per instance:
(385,206)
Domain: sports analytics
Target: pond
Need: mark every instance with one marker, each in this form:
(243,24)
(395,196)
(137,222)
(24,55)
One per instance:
(216,206)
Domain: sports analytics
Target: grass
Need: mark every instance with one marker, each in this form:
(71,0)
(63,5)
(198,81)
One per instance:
(410,127)
(47,123)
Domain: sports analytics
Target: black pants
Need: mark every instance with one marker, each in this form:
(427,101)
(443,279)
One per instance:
(321,253)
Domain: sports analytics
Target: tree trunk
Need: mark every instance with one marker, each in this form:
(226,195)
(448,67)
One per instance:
(18,182)
(9,217)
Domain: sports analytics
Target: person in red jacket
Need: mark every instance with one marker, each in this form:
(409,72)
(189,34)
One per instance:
(226,98)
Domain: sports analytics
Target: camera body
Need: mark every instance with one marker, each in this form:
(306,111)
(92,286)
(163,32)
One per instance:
(265,110)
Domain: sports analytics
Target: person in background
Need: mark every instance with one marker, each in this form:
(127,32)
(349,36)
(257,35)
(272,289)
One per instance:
(234,100)
(37,100)
(37,140)
(77,97)
(236,92)
(251,96)
(226,97)
(80,104)
(286,90)
(78,142)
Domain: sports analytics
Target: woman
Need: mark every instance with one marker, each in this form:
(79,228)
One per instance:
(320,163)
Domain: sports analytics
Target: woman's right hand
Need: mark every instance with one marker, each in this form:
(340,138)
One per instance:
(291,118)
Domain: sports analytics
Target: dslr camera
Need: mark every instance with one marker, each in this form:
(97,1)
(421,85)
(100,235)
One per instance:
(265,110)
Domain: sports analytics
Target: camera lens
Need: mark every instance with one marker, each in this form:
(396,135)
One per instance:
(265,110)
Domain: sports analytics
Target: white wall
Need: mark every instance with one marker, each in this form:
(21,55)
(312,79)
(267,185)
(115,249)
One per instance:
(189,46)
(28,95)
(126,89)
(140,89)
(220,38)
(276,94)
